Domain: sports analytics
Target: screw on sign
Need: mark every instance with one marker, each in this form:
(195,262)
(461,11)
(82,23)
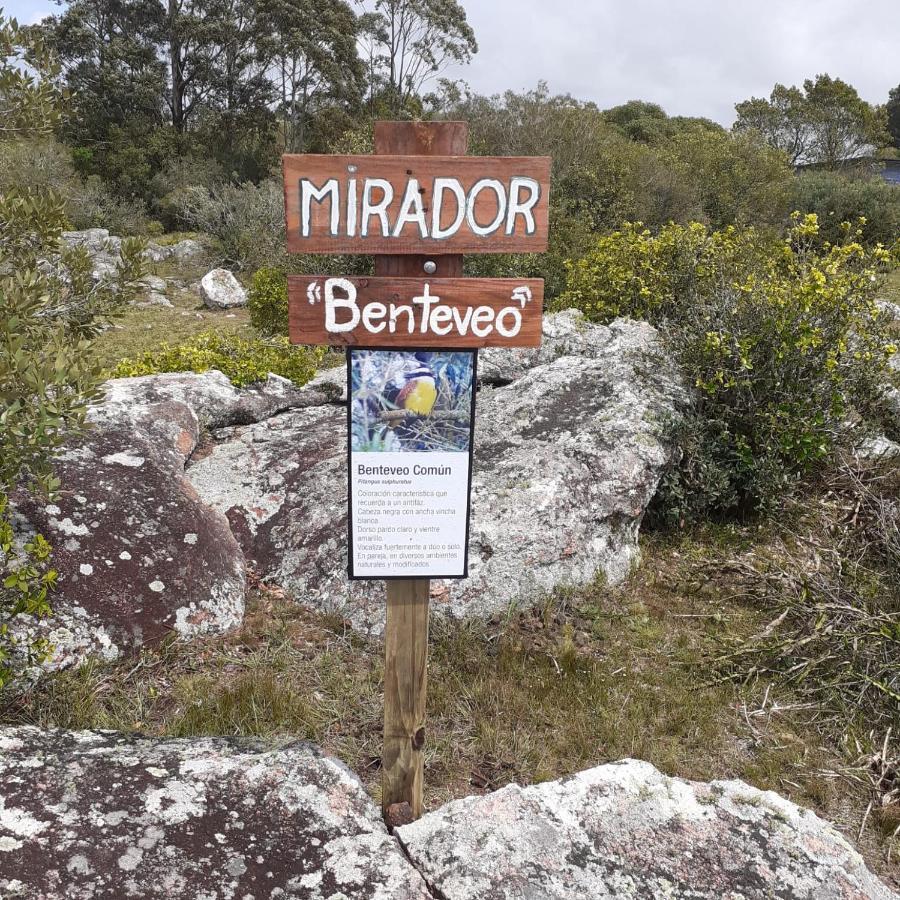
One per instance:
(412,334)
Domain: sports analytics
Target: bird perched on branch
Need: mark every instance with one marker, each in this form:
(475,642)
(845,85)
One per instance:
(418,392)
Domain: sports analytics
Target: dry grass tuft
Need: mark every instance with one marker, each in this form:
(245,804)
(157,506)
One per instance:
(594,675)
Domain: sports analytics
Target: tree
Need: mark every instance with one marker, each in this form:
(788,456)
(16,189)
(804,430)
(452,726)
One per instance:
(409,43)
(310,47)
(214,58)
(782,120)
(648,123)
(49,304)
(893,115)
(109,53)
(844,126)
(827,123)
(738,178)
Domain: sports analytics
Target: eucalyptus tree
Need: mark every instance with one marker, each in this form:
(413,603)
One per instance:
(408,44)
(826,122)
(310,49)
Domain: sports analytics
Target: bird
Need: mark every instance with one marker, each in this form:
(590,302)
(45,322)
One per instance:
(418,393)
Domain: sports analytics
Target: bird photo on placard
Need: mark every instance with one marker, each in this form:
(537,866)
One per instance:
(410,401)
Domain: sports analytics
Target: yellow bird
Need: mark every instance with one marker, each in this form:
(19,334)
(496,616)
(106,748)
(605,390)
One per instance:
(419,393)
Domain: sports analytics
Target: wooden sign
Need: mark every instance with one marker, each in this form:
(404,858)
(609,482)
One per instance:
(416,204)
(412,334)
(425,313)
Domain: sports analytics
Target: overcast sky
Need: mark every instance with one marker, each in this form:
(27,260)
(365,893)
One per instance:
(694,57)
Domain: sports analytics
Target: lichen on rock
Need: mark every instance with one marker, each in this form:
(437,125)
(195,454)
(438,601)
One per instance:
(103,815)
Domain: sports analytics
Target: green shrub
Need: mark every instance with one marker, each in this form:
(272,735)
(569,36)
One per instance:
(267,301)
(181,174)
(41,164)
(243,361)
(838,198)
(49,307)
(738,178)
(247,219)
(781,339)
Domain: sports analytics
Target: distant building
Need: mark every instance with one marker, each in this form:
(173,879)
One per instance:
(891,170)
(888,169)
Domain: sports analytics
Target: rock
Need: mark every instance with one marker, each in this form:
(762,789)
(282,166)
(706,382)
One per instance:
(567,456)
(139,554)
(100,814)
(104,249)
(219,289)
(94,240)
(890,309)
(627,831)
(566,333)
(187,250)
(154,283)
(876,449)
(156,253)
(154,293)
(151,538)
(153,299)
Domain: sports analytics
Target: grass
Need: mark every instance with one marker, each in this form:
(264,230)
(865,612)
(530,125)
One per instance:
(593,676)
(142,329)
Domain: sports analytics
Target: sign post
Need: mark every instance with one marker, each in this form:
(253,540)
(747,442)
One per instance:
(412,334)
(406,623)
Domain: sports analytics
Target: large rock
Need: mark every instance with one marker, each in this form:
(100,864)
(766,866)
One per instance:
(102,815)
(152,537)
(568,452)
(219,289)
(153,292)
(93,240)
(98,814)
(139,554)
(626,831)
(105,249)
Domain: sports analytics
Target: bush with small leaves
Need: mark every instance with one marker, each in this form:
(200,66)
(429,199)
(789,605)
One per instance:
(848,197)
(781,338)
(243,361)
(267,301)
(50,303)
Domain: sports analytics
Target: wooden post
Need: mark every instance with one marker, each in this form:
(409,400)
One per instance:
(406,627)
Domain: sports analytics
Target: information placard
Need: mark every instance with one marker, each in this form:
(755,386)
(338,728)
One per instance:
(410,425)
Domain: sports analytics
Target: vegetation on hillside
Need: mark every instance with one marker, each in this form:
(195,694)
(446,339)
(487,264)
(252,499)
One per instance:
(50,306)
(759,639)
(782,339)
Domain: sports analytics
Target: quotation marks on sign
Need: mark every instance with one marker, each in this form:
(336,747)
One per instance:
(522,294)
(314,292)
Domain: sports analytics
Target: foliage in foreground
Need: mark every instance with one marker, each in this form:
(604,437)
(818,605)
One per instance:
(49,306)
(244,361)
(782,340)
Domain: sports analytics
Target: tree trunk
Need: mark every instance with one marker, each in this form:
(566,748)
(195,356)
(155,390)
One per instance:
(175,68)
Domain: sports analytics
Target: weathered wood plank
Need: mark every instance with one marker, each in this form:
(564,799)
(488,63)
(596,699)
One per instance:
(415,312)
(405,204)
(405,688)
(406,626)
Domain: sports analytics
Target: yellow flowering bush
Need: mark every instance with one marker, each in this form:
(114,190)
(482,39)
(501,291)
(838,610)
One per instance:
(243,361)
(781,337)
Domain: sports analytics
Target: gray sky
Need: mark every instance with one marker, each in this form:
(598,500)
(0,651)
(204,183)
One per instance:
(694,57)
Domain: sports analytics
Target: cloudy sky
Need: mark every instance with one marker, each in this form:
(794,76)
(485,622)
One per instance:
(694,57)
